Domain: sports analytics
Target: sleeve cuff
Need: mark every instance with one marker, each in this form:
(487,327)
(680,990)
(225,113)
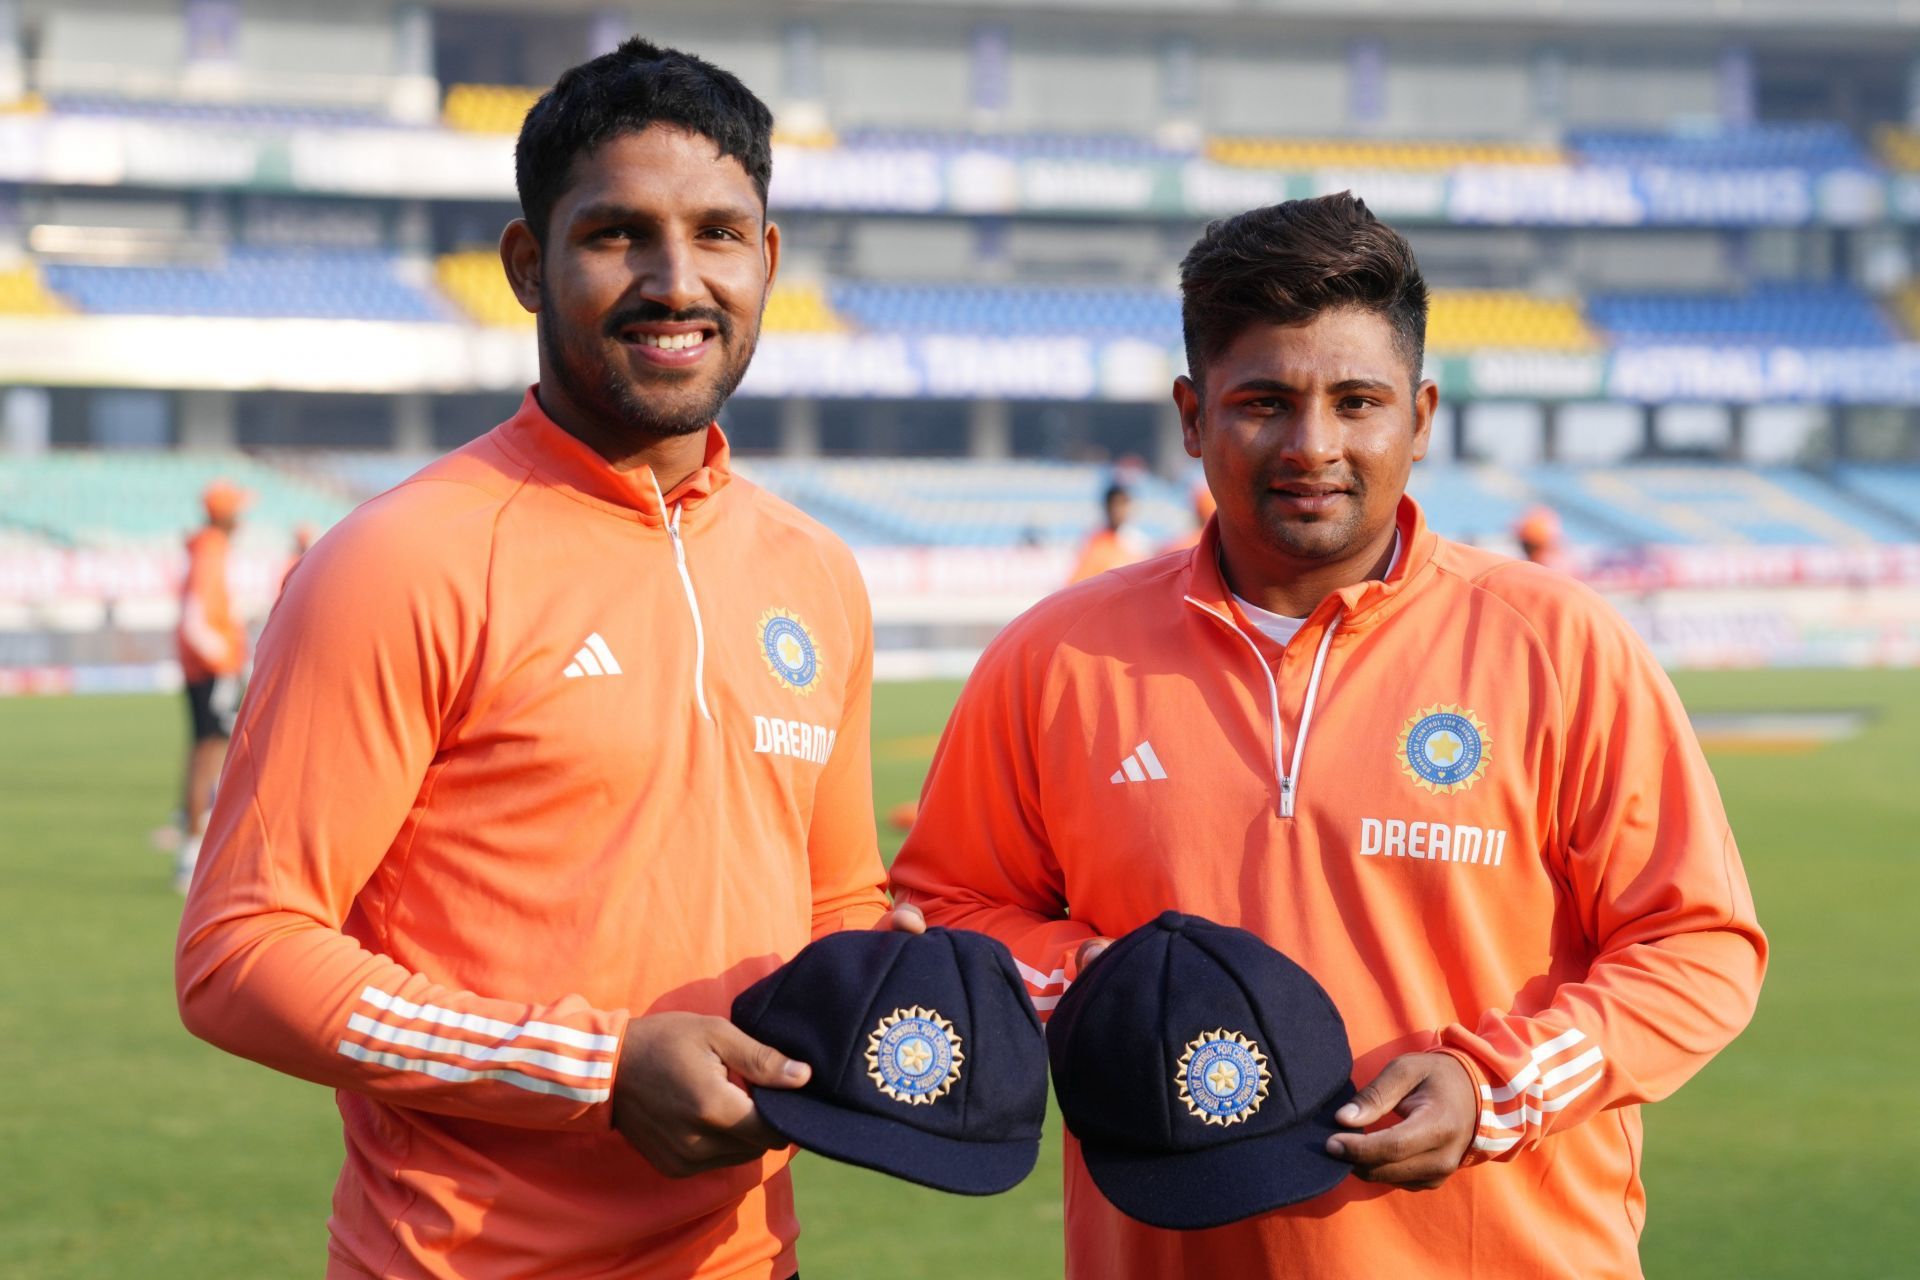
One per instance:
(1474,1154)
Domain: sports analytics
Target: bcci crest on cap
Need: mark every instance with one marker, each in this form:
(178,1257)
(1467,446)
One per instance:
(914,1055)
(1222,1077)
(788,648)
(1444,749)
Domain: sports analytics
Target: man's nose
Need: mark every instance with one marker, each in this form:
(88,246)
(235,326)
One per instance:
(668,275)
(1311,439)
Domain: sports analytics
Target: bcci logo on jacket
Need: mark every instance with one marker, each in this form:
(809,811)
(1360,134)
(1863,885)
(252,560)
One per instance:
(914,1056)
(1443,749)
(1222,1077)
(788,648)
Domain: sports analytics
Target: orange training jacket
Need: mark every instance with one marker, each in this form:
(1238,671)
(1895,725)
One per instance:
(530,749)
(211,641)
(1465,798)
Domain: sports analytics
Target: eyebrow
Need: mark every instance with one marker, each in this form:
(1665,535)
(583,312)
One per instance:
(1346,386)
(610,211)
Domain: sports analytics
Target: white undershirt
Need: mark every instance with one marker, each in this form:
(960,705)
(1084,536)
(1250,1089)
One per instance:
(1279,628)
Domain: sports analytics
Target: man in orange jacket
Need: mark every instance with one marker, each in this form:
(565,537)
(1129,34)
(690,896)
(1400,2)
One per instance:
(1115,543)
(554,749)
(1453,786)
(212,645)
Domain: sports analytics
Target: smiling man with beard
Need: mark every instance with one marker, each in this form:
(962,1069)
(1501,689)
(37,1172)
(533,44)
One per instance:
(506,824)
(1452,786)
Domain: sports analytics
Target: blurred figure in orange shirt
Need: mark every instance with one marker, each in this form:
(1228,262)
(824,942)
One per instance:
(1203,507)
(1540,539)
(212,645)
(1115,544)
(304,535)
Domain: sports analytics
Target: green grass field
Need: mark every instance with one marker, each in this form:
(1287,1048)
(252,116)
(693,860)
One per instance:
(129,1149)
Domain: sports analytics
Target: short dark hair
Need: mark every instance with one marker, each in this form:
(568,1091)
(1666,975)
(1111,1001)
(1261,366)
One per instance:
(1286,263)
(637,85)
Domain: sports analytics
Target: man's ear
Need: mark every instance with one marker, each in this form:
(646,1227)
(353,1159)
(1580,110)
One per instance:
(1186,398)
(770,250)
(520,255)
(1426,398)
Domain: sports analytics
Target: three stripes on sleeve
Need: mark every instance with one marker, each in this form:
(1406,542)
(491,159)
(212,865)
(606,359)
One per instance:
(1555,1074)
(540,1057)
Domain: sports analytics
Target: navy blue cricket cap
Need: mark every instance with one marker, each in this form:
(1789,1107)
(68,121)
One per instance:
(928,1060)
(1200,1070)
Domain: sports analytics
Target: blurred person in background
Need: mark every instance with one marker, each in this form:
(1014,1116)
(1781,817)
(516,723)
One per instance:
(1203,509)
(304,535)
(554,748)
(212,644)
(1540,538)
(1116,543)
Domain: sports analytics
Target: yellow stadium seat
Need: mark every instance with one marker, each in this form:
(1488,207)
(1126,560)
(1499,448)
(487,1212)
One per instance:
(821,138)
(1906,305)
(1472,319)
(23,293)
(1899,148)
(1362,153)
(801,308)
(475,282)
(487,108)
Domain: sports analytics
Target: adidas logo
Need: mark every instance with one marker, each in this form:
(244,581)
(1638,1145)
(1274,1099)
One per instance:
(1140,766)
(594,659)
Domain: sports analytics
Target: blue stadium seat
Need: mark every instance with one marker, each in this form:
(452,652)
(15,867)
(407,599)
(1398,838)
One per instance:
(1011,310)
(1789,314)
(1767,146)
(1895,488)
(107,499)
(334,284)
(238,113)
(1711,505)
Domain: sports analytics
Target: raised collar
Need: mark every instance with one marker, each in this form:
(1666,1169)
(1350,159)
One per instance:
(568,463)
(1359,605)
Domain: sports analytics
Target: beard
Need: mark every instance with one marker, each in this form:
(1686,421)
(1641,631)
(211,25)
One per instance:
(589,376)
(1322,537)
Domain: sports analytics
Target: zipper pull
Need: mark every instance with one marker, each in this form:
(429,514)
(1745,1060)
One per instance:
(1286,797)
(673,532)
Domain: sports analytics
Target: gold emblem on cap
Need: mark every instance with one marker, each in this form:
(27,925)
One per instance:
(913,1055)
(1222,1077)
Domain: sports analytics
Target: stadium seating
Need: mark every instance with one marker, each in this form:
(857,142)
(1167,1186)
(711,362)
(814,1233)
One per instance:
(1805,315)
(1711,505)
(1906,305)
(1018,146)
(358,475)
(945,503)
(475,281)
(1010,310)
(802,307)
(487,108)
(268,114)
(1895,489)
(24,293)
(104,499)
(1482,504)
(1769,146)
(142,498)
(335,284)
(1360,153)
(1898,148)
(1470,319)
